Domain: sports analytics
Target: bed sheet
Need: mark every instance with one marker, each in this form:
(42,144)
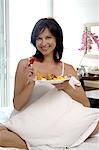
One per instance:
(91,143)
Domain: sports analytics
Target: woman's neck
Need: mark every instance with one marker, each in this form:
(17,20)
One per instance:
(49,59)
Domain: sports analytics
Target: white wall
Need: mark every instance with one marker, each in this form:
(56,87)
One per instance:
(72,15)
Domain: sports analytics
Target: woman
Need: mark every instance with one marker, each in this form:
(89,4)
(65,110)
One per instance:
(47,38)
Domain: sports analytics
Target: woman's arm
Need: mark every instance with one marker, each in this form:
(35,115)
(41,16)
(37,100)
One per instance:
(78,93)
(23,84)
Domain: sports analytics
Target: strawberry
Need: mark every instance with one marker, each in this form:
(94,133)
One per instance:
(31,60)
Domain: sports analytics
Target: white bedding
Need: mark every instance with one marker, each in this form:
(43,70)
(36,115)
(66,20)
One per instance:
(90,144)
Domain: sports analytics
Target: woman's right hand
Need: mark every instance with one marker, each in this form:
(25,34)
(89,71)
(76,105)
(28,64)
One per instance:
(29,74)
(24,84)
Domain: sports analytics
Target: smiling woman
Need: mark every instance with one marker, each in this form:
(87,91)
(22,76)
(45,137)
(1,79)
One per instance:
(43,107)
(18,45)
(36,103)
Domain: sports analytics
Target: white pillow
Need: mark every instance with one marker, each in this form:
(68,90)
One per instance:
(55,120)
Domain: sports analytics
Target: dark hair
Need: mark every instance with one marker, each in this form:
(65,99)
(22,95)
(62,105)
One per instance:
(52,25)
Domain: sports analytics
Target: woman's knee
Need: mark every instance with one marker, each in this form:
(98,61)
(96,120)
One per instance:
(2,133)
(3,136)
(2,127)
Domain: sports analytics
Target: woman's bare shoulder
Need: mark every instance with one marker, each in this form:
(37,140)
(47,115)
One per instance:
(69,69)
(68,66)
(20,70)
(22,63)
(21,66)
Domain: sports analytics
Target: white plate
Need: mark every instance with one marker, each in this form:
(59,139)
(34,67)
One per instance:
(52,81)
(96,72)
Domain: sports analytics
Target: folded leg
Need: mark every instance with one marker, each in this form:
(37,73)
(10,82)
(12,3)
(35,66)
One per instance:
(10,139)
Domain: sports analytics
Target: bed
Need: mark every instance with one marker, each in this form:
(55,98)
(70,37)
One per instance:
(91,143)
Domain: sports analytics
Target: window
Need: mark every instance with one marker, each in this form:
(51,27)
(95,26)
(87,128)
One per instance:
(3,58)
(19,18)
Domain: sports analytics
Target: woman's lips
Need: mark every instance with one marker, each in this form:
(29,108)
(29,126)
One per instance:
(44,49)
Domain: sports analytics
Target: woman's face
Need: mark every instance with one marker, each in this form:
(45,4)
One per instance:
(46,42)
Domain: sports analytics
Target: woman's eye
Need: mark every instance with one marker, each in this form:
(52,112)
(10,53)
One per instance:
(48,37)
(38,38)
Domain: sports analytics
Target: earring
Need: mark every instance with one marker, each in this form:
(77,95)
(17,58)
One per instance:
(57,55)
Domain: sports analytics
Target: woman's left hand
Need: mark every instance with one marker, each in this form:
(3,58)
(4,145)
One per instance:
(63,86)
(76,93)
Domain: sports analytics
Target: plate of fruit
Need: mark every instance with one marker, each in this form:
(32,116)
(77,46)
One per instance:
(50,78)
